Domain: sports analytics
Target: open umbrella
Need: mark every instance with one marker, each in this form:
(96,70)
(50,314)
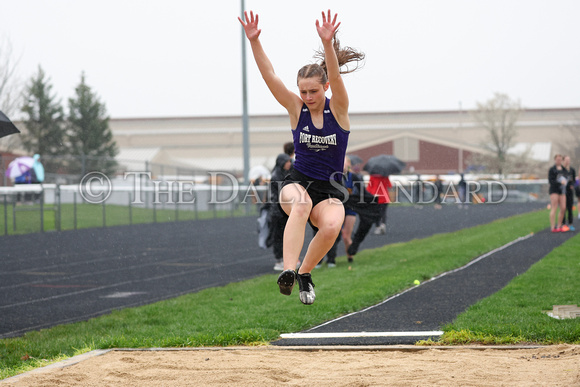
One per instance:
(6,126)
(259,171)
(21,165)
(355,160)
(384,165)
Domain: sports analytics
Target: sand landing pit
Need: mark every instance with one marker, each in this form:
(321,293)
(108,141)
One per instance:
(323,366)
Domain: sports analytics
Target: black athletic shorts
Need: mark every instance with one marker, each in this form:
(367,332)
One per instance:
(318,190)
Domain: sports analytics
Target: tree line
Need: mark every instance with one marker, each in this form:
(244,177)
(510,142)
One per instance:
(72,141)
(82,132)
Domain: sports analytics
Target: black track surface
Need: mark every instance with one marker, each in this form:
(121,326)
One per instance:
(52,278)
(435,303)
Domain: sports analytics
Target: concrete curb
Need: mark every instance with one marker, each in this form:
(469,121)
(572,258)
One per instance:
(58,365)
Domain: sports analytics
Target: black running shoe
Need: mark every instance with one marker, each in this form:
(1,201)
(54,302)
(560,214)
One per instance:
(286,281)
(306,286)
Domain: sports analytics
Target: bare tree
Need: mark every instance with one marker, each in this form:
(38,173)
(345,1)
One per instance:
(10,89)
(570,145)
(498,116)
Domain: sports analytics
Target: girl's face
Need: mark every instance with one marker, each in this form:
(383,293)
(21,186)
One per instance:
(566,161)
(558,160)
(312,92)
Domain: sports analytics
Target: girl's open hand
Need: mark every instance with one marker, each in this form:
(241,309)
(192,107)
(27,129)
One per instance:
(251,26)
(328,28)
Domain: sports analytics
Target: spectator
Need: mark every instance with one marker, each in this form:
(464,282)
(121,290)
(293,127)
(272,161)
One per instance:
(351,182)
(438,193)
(462,191)
(289,149)
(558,180)
(379,186)
(276,219)
(568,214)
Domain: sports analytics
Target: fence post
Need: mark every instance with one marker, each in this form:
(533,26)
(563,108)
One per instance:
(57,212)
(42,210)
(104,215)
(75,209)
(195,197)
(13,215)
(5,216)
(130,210)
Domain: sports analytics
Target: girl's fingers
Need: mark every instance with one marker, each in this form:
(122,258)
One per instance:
(328,18)
(249,19)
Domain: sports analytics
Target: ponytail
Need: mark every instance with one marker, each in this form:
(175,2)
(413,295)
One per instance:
(344,55)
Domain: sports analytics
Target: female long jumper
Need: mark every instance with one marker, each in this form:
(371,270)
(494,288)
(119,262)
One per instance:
(320,129)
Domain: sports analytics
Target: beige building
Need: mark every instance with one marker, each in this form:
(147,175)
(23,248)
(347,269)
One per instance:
(429,141)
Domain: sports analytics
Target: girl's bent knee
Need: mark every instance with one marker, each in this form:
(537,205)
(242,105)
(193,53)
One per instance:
(331,229)
(301,209)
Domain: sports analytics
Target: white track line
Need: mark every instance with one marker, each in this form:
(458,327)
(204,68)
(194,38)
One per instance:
(359,334)
(293,335)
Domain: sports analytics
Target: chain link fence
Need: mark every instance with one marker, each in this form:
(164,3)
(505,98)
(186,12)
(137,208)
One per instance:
(80,192)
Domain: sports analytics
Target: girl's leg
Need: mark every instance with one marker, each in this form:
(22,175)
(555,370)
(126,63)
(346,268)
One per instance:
(562,202)
(278,226)
(384,213)
(297,204)
(569,206)
(328,217)
(362,230)
(347,228)
(554,203)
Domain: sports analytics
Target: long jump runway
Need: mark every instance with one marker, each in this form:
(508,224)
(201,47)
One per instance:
(421,311)
(53,278)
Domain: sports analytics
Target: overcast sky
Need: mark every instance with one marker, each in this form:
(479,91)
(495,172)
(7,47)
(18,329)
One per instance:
(153,58)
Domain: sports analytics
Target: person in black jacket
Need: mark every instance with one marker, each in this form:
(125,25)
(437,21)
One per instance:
(558,180)
(276,219)
(568,215)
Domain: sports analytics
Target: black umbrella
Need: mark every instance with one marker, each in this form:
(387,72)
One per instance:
(384,165)
(6,126)
(355,160)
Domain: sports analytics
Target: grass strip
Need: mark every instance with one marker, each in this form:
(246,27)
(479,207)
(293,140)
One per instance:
(514,314)
(253,312)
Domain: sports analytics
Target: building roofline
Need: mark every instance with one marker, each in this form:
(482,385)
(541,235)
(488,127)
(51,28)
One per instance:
(392,113)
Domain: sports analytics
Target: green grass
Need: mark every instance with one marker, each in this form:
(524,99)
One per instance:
(253,312)
(514,314)
(93,215)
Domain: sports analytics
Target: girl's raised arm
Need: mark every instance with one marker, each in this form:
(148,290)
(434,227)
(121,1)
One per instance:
(326,32)
(285,97)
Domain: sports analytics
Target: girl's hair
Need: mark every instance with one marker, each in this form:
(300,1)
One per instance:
(344,55)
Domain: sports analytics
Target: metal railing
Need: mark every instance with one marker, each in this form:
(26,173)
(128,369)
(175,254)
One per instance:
(45,206)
